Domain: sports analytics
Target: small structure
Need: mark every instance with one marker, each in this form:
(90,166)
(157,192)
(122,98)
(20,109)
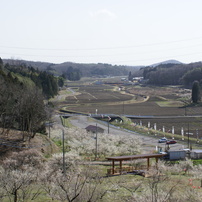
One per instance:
(177,155)
(94,129)
(137,79)
(196,154)
(132,157)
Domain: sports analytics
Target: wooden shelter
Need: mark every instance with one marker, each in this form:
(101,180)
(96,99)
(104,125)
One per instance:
(120,159)
(94,129)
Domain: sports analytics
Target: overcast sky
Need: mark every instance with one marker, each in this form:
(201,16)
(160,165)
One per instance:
(122,32)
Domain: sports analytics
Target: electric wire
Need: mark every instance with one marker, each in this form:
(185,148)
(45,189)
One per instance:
(161,58)
(101,56)
(107,55)
(105,48)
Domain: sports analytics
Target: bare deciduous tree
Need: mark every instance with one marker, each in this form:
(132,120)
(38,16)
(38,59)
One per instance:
(19,185)
(23,160)
(31,111)
(78,185)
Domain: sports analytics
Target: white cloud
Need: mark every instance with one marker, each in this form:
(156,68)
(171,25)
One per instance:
(103,13)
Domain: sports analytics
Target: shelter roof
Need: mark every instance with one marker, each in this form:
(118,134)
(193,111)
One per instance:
(93,128)
(196,150)
(139,156)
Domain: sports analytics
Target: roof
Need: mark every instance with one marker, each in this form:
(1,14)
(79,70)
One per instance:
(196,150)
(139,156)
(93,128)
(174,151)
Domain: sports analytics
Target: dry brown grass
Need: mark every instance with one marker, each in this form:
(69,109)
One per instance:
(11,141)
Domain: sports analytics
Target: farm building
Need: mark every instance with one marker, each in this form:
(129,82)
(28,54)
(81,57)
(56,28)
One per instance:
(196,154)
(94,129)
(177,155)
(182,154)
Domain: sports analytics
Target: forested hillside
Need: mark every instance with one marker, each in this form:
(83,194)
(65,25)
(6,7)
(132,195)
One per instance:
(22,93)
(163,74)
(173,74)
(83,70)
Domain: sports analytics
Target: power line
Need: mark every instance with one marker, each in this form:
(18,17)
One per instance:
(106,48)
(122,61)
(160,58)
(108,55)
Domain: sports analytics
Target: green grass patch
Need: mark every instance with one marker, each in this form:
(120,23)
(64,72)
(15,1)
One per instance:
(171,103)
(58,143)
(27,81)
(197,162)
(66,122)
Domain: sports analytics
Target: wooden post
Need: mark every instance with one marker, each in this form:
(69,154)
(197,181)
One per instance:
(108,126)
(112,166)
(96,145)
(147,163)
(157,162)
(120,166)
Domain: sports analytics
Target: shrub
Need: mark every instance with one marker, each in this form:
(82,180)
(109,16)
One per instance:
(23,159)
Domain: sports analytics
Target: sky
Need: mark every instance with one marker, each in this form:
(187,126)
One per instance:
(117,32)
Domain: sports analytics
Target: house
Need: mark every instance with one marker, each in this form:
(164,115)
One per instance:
(196,154)
(94,129)
(137,79)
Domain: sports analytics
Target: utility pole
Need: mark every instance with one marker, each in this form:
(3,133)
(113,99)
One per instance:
(49,128)
(188,133)
(63,147)
(109,118)
(123,107)
(108,126)
(96,146)
(63,151)
(197,136)
(188,136)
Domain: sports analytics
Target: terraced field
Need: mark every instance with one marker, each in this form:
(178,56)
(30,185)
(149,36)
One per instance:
(138,100)
(97,94)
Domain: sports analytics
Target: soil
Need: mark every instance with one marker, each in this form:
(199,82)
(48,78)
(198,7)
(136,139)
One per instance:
(11,141)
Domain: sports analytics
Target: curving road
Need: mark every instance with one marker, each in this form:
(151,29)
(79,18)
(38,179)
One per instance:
(149,143)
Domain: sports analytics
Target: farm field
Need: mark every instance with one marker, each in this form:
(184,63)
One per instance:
(97,94)
(137,100)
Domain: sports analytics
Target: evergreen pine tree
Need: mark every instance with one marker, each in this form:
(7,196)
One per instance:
(130,76)
(196,92)
(1,63)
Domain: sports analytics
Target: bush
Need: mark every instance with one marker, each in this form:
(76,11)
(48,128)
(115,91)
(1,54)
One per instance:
(197,162)
(24,159)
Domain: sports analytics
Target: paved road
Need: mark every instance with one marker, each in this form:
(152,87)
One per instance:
(149,143)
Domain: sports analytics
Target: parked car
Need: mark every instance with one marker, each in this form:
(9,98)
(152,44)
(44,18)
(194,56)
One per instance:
(171,142)
(163,139)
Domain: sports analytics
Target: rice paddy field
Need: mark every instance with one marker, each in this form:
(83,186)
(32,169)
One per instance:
(108,96)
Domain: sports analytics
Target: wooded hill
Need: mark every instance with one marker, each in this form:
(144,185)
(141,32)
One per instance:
(165,73)
(27,76)
(173,74)
(85,70)
(22,94)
